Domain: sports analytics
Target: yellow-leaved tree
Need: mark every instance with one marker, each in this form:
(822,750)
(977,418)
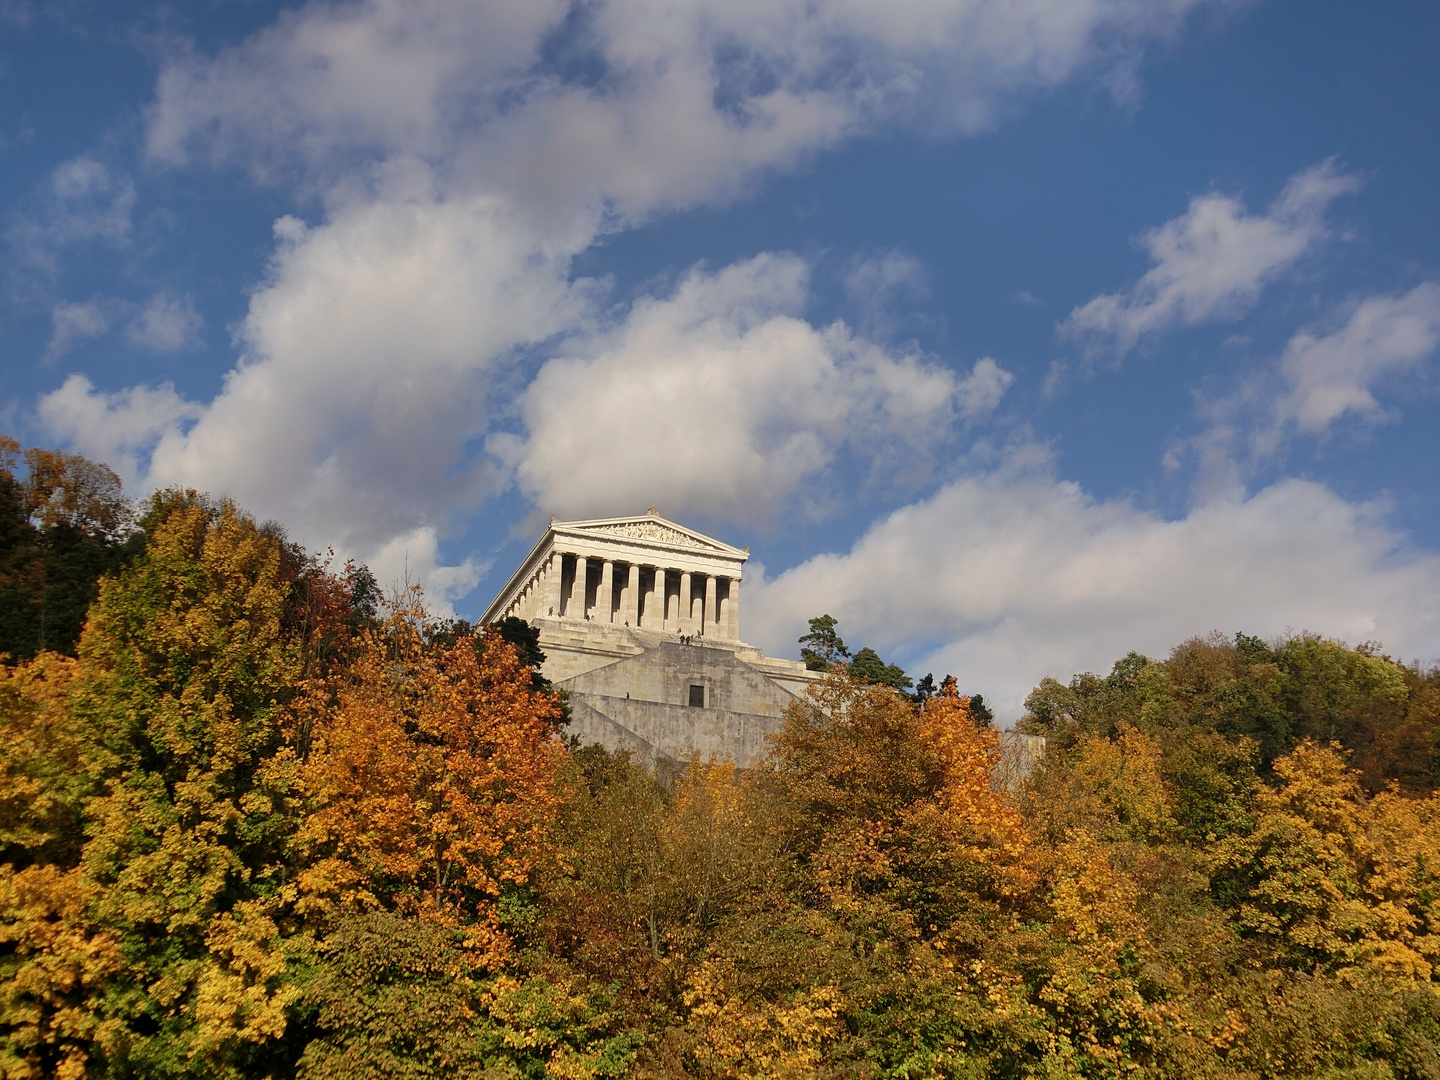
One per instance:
(1331,878)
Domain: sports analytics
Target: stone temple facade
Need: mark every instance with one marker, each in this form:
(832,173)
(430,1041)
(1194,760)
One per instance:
(639,618)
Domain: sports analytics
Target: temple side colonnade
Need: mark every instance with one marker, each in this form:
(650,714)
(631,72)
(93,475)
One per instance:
(642,572)
(572,585)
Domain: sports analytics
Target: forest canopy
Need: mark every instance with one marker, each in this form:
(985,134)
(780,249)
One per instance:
(255,822)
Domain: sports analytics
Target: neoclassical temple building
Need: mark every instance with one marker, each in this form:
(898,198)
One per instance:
(639,618)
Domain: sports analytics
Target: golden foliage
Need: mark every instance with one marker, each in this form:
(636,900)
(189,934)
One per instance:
(1336,878)
(53,963)
(740,1037)
(248,801)
(983,822)
(241,993)
(1111,788)
(39,770)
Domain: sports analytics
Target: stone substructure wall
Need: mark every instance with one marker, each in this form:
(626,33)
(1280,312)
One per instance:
(633,690)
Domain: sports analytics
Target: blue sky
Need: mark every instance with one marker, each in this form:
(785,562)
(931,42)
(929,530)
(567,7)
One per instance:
(1016,335)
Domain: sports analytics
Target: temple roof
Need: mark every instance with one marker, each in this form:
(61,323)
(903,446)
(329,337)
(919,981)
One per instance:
(649,529)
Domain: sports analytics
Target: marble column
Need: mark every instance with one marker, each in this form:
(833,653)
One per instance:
(686,610)
(576,608)
(632,596)
(712,607)
(732,611)
(552,585)
(655,608)
(605,596)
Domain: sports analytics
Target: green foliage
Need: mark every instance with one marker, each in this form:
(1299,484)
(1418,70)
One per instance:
(525,639)
(867,665)
(1270,697)
(822,648)
(399,997)
(260,827)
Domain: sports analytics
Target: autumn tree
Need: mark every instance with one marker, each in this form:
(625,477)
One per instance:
(1332,878)
(430,782)
(261,826)
(64,523)
(397,995)
(907,862)
(1273,694)
(154,838)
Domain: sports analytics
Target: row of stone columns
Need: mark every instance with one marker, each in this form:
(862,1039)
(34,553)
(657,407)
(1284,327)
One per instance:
(713,610)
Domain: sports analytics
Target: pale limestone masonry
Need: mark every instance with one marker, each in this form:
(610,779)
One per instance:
(639,619)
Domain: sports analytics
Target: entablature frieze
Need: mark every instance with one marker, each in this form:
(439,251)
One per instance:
(641,554)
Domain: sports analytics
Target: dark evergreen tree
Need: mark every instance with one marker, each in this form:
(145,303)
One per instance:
(868,666)
(822,647)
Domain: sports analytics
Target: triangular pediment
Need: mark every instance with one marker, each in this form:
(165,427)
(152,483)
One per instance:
(650,529)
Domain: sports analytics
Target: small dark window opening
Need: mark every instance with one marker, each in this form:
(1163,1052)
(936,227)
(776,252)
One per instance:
(697,696)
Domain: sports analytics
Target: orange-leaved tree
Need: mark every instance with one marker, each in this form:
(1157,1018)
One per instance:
(884,796)
(909,866)
(430,779)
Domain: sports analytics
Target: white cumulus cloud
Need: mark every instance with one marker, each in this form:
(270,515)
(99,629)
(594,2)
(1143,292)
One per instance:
(119,429)
(980,391)
(367,359)
(1006,576)
(414,558)
(720,399)
(1212,261)
(465,152)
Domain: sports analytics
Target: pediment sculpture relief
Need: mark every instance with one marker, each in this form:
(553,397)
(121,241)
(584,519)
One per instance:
(650,530)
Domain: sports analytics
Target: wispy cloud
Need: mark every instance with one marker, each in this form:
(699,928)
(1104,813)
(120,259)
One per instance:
(681,102)
(1324,376)
(876,287)
(82,201)
(1332,375)
(1212,262)
(71,322)
(165,324)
